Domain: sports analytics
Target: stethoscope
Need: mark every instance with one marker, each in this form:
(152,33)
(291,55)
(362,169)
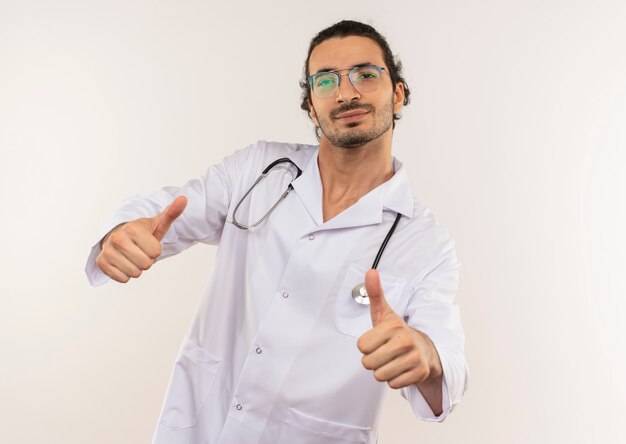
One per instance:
(264,173)
(359,293)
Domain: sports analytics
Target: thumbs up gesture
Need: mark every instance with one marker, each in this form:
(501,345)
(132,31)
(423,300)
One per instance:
(131,248)
(397,353)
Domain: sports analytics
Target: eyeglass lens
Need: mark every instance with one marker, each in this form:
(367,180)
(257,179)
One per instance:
(364,78)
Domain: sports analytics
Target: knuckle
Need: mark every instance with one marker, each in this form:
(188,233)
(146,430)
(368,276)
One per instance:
(366,363)
(109,272)
(155,250)
(418,374)
(117,239)
(379,376)
(131,228)
(405,344)
(394,384)
(106,269)
(361,345)
(417,355)
(147,264)
(108,256)
(414,359)
(400,383)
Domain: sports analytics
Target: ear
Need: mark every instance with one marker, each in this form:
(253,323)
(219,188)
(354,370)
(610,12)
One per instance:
(313,115)
(398,98)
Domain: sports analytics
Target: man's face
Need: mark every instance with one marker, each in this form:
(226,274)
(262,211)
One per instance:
(335,115)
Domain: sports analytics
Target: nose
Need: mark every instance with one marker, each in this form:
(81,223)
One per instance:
(346,91)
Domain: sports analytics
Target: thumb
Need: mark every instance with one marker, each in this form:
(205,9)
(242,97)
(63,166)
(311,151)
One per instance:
(162,221)
(379,308)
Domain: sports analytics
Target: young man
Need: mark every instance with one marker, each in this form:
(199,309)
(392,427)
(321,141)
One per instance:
(298,335)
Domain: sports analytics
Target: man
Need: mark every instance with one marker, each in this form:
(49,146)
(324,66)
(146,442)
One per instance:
(287,346)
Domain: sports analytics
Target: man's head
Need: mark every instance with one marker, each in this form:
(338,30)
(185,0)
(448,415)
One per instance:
(378,92)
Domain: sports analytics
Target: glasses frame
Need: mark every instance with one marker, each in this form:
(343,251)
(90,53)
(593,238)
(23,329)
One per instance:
(339,76)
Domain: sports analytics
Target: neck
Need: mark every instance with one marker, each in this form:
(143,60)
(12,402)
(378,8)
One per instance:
(348,174)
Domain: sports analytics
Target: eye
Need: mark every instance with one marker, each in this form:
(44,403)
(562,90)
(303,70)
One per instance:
(365,74)
(325,81)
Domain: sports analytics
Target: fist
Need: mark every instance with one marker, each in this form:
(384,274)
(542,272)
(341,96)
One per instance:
(397,353)
(131,248)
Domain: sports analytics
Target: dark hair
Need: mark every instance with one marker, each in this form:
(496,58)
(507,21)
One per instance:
(346,28)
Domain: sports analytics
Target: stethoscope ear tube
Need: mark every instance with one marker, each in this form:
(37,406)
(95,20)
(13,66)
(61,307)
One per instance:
(263,174)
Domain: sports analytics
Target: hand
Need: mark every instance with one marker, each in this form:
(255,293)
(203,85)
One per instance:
(398,354)
(131,248)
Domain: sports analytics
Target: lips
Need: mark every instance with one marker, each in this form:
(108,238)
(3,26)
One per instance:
(351,114)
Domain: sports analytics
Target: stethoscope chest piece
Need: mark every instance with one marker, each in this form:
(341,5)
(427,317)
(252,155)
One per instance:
(359,294)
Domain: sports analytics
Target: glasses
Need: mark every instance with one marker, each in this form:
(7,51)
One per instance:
(365,79)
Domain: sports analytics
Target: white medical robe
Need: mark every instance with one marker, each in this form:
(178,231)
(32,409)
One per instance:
(271,355)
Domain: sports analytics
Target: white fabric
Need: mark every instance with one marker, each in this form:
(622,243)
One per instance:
(271,355)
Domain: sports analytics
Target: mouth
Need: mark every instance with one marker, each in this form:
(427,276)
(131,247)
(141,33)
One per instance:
(351,116)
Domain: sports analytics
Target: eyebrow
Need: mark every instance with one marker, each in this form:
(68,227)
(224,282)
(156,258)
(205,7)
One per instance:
(358,65)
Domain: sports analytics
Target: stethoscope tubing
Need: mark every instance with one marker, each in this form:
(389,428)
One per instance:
(386,241)
(359,293)
(264,173)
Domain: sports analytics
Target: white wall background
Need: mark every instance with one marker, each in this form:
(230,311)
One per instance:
(516,138)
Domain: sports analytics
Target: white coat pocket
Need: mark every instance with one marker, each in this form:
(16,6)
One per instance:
(354,319)
(190,384)
(301,428)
